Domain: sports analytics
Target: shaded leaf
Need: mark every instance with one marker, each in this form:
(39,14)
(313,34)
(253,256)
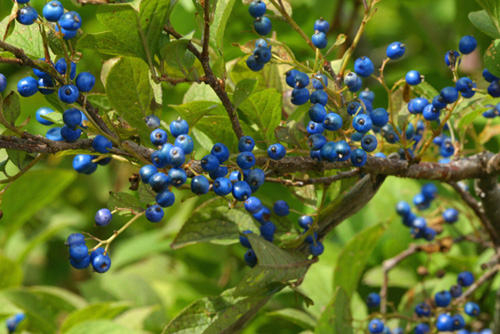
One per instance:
(25,37)
(124,201)
(482,21)
(11,107)
(58,298)
(221,14)
(492,58)
(426,90)
(94,311)
(336,318)
(11,273)
(243,90)
(101,327)
(297,317)
(194,111)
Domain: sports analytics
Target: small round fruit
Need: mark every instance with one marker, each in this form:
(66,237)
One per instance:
(319,40)
(472,309)
(300,96)
(358,157)
(70,21)
(3,82)
(456,290)
(246,144)
(362,123)
(250,258)
(102,144)
(103,217)
(451,216)
(316,249)
(321,25)
(26,15)
(257,8)
(467,44)
(53,11)
(82,163)
(369,143)
(72,118)
(276,151)
(262,55)
(210,163)
(395,50)
(146,172)
(54,134)
(179,127)
(152,121)
(465,278)
(159,182)
(281,208)
(319,97)
(61,67)
(332,122)
(222,186)
(262,25)
(200,185)
(69,134)
(154,213)
(85,81)
(221,152)
(158,137)
(442,298)
(373,300)
(376,326)
(43,112)
(320,81)
(444,323)
(80,264)
(27,87)
(253,204)
(75,239)
(452,56)
(68,94)
(245,160)
(241,191)
(363,67)
(101,263)
(413,78)
(422,329)
(165,198)
(78,252)
(253,64)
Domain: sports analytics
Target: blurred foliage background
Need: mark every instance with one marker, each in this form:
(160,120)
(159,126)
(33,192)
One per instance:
(146,272)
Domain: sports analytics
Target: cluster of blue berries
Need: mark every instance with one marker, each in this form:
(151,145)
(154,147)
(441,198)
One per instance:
(80,257)
(68,22)
(14,321)
(262,25)
(87,163)
(321,27)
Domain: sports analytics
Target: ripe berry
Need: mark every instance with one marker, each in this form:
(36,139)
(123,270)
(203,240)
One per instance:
(250,258)
(78,252)
(257,8)
(422,329)
(152,121)
(200,185)
(101,144)
(103,217)
(281,208)
(26,15)
(263,215)
(261,42)
(354,108)
(61,67)
(316,141)
(379,117)
(246,144)
(3,82)
(488,76)
(395,50)
(322,25)
(267,231)
(222,186)
(255,178)
(290,78)
(262,55)
(357,85)
(70,21)
(210,163)
(146,172)
(185,142)
(305,221)
(417,105)
(452,57)
(451,216)
(54,134)
(313,128)
(464,85)
(413,78)
(403,208)
(362,123)
(165,198)
(465,278)
(369,143)
(176,156)
(245,160)
(423,310)
(350,79)
(316,249)
(27,86)
(177,176)
(241,191)
(472,309)
(456,290)
(68,94)
(179,127)
(85,81)
(429,190)
(332,122)
(449,94)
(467,44)
(276,151)
(158,137)
(69,134)
(442,298)
(82,163)
(22,1)
(159,182)
(458,322)
(358,157)
(262,25)
(494,89)
(72,117)
(80,264)
(444,323)
(161,158)
(373,300)
(220,172)
(75,239)
(320,81)
(253,64)
(431,113)
(43,112)
(53,11)
(319,97)
(101,263)
(244,240)
(253,204)
(300,96)
(317,113)
(363,67)
(45,86)
(319,39)
(342,150)
(154,213)
(376,326)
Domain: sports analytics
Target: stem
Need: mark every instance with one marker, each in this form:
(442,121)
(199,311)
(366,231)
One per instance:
(108,241)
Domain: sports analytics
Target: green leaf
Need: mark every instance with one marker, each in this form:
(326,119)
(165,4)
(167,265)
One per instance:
(264,110)
(101,327)
(25,37)
(353,258)
(243,90)
(297,317)
(274,265)
(336,318)
(130,93)
(58,298)
(214,315)
(269,77)
(130,287)
(135,318)
(216,128)
(153,15)
(194,111)
(426,90)
(94,311)
(107,43)
(146,194)
(492,58)
(470,117)
(11,273)
(221,14)
(123,200)
(177,55)
(37,189)
(17,157)
(482,21)
(214,222)
(55,102)
(492,7)
(200,92)
(11,107)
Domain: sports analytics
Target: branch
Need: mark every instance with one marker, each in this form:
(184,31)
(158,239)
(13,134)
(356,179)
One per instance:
(489,193)
(480,281)
(324,180)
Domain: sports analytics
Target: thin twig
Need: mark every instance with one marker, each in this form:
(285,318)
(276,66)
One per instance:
(480,281)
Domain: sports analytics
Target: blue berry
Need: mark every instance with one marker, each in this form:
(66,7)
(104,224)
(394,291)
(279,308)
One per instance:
(255,178)
(245,160)
(176,156)
(429,190)
(82,163)
(103,217)
(72,117)
(354,108)
(449,94)
(332,122)
(376,326)
(357,86)
(313,128)
(53,11)
(257,8)
(311,238)
(161,158)
(342,150)
(244,240)
(464,85)
(369,143)
(319,40)
(488,76)
(253,204)
(78,252)
(281,208)
(27,87)
(300,96)
(70,21)
(154,213)
(158,137)
(319,97)
(179,127)
(456,290)
(262,25)
(362,123)
(68,94)
(290,78)
(45,86)
(467,44)
(301,80)
(395,50)
(458,322)
(200,185)
(267,231)
(350,79)
(373,300)
(241,191)
(316,141)
(263,215)
(444,323)
(317,113)
(358,157)
(101,144)
(305,221)
(222,186)
(276,151)
(452,56)
(101,263)
(431,113)
(26,15)
(367,95)
(494,89)
(262,55)
(146,172)
(80,264)
(3,82)
(423,310)
(413,78)
(253,64)
(209,163)
(316,249)
(43,112)
(22,1)
(261,42)
(85,81)
(185,142)
(417,105)
(465,278)
(363,67)
(250,258)
(450,216)
(422,329)
(220,172)
(66,34)
(61,67)
(472,309)
(165,198)
(177,176)
(442,298)
(403,208)
(246,144)
(221,152)
(379,117)
(75,239)
(159,182)
(321,25)
(152,121)
(69,134)
(320,81)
